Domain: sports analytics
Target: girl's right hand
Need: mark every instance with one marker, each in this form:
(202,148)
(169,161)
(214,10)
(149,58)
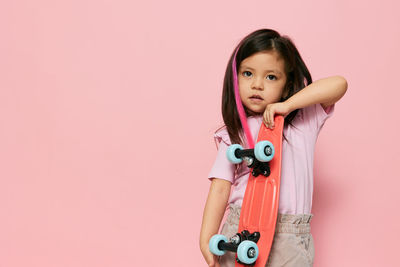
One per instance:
(211,259)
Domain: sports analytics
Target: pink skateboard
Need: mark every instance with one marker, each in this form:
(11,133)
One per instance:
(253,241)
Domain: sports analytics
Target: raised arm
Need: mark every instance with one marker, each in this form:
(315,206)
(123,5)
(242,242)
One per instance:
(326,91)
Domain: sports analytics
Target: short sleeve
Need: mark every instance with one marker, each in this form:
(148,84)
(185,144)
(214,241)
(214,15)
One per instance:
(222,168)
(323,114)
(222,135)
(315,115)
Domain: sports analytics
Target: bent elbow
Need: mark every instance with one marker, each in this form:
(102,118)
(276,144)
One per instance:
(343,84)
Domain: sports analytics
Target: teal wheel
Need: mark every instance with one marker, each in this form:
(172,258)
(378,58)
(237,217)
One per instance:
(213,244)
(247,252)
(264,151)
(230,153)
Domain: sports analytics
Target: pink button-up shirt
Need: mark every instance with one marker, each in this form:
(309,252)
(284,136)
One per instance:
(296,187)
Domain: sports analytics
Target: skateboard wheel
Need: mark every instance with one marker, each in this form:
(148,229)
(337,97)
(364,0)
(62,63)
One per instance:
(230,153)
(264,151)
(247,252)
(213,244)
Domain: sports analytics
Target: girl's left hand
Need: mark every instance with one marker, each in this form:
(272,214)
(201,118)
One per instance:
(279,108)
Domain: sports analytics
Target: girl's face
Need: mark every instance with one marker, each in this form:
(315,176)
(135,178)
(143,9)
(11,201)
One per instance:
(261,79)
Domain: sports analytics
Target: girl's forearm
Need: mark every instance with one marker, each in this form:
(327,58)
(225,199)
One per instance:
(214,210)
(326,91)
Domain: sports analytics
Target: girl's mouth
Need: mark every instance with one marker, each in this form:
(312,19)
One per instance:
(256,98)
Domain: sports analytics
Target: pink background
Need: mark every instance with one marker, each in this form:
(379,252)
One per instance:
(107,110)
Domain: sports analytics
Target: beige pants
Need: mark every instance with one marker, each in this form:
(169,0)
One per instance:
(293,244)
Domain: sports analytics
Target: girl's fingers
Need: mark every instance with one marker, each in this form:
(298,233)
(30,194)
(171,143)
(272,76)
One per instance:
(209,257)
(271,118)
(268,117)
(216,261)
(265,118)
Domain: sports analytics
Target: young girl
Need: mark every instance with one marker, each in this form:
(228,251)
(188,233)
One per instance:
(270,76)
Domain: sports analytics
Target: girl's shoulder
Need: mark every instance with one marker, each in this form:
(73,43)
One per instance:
(314,115)
(222,135)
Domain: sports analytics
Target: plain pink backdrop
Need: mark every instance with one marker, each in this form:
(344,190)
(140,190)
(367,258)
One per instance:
(107,110)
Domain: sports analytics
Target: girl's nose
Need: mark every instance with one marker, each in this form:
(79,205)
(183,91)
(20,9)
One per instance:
(257,85)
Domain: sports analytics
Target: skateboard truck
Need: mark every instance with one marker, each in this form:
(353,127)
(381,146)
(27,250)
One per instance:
(256,158)
(260,168)
(245,235)
(243,243)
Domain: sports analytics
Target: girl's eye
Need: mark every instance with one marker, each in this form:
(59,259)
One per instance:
(246,72)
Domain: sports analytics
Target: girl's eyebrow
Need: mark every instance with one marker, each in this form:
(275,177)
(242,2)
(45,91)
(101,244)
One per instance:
(246,67)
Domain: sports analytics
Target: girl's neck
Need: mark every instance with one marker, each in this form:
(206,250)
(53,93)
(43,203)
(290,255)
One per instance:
(250,113)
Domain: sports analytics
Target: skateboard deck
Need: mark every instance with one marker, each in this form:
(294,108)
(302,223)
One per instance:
(261,199)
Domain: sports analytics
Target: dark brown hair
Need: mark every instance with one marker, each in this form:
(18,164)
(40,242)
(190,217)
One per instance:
(295,69)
